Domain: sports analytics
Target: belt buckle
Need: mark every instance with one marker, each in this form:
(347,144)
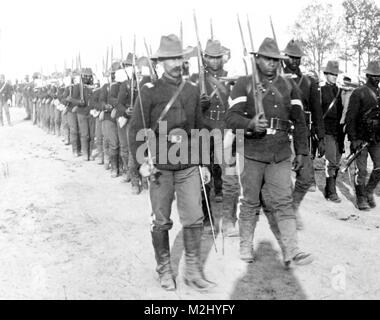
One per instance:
(271,130)
(175,138)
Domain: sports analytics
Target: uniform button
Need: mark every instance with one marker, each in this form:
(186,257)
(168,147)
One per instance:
(272,93)
(275,106)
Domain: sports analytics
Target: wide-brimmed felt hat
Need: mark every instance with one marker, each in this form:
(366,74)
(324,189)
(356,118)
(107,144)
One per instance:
(129,59)
(269,48)
(373,68)
(86,72)
(170,47)
(116,65)
(293,49)
(332,67)
(214,48)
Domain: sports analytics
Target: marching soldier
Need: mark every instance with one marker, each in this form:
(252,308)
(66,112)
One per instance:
(311,101)
(177,103)
(363,125)
(266,176)
(332,112)
(6,92)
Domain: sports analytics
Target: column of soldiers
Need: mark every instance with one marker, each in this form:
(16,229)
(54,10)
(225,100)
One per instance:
(299,120)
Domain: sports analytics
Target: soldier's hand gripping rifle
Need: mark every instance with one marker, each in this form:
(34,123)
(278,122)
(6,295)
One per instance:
(353,155)
(257,91)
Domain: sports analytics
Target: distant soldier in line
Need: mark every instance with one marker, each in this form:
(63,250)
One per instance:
(183,178)
(266,177)
(26,95)
(65,128)
(72,117)
(80,100)
(311,101)
(332,113)
(6,92)
(95,111)
(108,101)
(363,125)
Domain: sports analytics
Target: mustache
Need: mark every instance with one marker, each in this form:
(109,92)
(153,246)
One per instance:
(176,69)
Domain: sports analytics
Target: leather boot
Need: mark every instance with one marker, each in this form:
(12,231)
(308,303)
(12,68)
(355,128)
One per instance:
(361,199)
(330,190)
(373,181)
(160,240)
(288,233)
(107,162)
(85,150)
(114,159)
(193,274)
(229,227)
(126,173)
(246,231)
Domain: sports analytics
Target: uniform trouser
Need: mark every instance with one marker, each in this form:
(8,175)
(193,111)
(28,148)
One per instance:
(34,112)
(27,105)
(57,121)
(332,155)
(4,105)
(110,138)
(87,133)
(72,119)
(65,128)
(187,186)
(272,182)
(52,108)
(99,136)
(122,134)
(361,163)
(304,179)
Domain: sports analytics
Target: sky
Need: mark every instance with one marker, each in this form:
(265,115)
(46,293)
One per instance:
(43,34)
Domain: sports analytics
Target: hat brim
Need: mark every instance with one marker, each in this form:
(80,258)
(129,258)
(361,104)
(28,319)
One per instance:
(271,55)
(325,70)
(366,71)
(167,55)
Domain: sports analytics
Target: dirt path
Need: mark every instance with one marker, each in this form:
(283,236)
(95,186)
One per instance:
(69,231)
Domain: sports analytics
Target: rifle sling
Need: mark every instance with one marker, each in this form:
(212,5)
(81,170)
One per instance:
(332,104)
(169,105)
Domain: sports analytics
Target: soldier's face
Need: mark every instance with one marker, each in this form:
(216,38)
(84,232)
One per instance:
(268,66)
(331,78)
(173,67)
(293,63)
(214,63)
(375,80)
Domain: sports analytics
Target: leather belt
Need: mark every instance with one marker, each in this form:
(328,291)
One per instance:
(278,124)
(308,117)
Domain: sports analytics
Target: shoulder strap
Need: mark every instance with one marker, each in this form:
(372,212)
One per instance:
(332,103)
(169,105)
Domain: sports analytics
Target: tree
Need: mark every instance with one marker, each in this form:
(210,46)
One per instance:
(363,25)
(316,30)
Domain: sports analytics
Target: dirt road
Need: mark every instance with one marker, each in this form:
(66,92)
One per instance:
(69,231)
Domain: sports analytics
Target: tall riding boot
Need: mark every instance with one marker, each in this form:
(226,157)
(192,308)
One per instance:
(114,159)
(126,173)
(361,199)
(85,149)
(275,230)
(246,231)
(193,275)
(288,232)
(160,240)
(229,226)
(330,190)
(373,181)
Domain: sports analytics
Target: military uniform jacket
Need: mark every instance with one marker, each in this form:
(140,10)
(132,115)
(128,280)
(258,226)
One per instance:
(83,106)
(332,118)
(109,95)
(94,99)
(311,100)
(280,100)
(7,92)
(123,99)
(361,100)
(219,94)
(184,114)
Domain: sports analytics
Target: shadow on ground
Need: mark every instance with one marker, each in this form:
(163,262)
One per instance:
(266,279)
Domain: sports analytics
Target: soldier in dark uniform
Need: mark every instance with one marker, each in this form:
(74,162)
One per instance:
(181,178)
(332,113)
(80,101)
(363,125)
(65,128)
(6,93)
(311,101)
(26,97)
(72,117)
(108,101)
(95,111)
(266,176)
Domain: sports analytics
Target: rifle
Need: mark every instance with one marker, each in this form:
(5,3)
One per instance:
(353,155)
(256,85)
(211,30)
(245,52)
(80,79)
(281,67)
(152,70)
(133,70)
(201,66)
(180,33)
(121,49)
